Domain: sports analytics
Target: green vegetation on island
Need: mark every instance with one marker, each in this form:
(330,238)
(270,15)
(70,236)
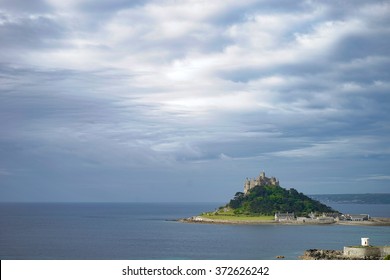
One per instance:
(268,200)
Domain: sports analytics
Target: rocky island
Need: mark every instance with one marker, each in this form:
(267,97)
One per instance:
(264,201)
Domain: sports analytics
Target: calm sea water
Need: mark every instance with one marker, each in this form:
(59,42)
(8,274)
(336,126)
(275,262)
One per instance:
(143,231)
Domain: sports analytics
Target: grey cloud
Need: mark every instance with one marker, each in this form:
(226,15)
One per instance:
(90,6)
(360,46)
(23,6)
(29,33)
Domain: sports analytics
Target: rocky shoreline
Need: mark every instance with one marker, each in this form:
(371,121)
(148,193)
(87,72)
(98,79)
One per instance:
(317,254)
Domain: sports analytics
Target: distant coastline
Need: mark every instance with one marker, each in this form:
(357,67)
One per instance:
(367,198)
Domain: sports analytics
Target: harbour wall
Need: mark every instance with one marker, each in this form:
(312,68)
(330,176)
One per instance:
(370,251)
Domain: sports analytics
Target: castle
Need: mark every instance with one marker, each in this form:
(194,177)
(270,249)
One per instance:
(259,181)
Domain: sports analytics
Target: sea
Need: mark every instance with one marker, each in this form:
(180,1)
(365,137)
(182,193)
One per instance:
(148,231)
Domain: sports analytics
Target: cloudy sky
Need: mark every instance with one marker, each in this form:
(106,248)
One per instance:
(172,100)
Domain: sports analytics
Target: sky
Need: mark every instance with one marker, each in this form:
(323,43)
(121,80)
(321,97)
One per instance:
(168,100)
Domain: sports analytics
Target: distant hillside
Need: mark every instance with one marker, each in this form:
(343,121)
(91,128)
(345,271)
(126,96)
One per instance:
(267,200)
(368,198)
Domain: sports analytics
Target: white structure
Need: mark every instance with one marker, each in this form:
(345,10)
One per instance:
(365,241)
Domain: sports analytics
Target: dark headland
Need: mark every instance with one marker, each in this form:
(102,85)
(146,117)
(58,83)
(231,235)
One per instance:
(264,201)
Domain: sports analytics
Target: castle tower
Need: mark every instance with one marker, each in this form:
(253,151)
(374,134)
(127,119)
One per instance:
(261,180)
(246,185)
(252,183)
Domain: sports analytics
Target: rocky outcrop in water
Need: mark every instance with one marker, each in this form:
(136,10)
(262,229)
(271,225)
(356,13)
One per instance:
(317,254)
